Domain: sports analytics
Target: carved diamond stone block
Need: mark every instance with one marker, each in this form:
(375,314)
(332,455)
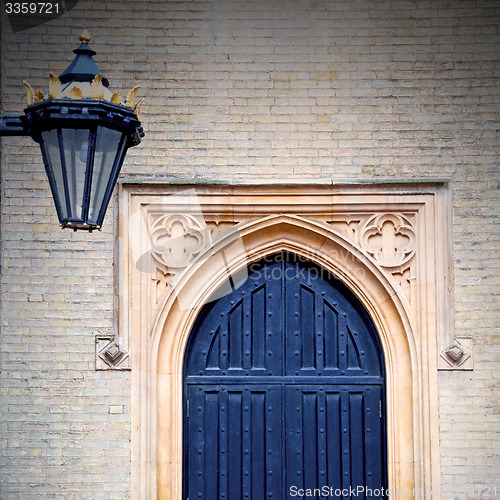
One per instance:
(458,356)
(112,352)
(109,356)
(455,353)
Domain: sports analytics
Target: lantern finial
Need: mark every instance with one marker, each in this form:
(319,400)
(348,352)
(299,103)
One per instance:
(85,36)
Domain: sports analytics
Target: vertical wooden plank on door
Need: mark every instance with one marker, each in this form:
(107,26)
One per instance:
(235,443)
(335,451)
(356,430)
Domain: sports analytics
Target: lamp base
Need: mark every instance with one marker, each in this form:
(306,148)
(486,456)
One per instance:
(80,226)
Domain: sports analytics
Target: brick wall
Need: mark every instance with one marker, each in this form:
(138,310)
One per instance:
(235,90)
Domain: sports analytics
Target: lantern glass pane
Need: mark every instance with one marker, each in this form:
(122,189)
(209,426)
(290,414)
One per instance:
(54,168)
(76,145)
(108,147)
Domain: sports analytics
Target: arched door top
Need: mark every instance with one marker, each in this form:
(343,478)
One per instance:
(323,246)
(321,317)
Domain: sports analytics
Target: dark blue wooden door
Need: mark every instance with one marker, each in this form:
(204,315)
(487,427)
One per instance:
(284,385)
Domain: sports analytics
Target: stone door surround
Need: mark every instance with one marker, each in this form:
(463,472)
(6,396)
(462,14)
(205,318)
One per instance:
(389,242)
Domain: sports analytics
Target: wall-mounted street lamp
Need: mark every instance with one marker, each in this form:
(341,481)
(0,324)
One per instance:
(84,132)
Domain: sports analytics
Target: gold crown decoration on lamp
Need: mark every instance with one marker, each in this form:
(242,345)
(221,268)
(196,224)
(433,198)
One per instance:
(95,88)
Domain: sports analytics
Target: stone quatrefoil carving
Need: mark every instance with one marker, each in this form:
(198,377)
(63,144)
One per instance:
(177,240)
(389,238)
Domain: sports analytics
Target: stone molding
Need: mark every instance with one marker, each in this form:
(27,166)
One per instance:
(390,243)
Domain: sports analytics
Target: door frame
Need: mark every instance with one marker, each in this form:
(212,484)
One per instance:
(298,220)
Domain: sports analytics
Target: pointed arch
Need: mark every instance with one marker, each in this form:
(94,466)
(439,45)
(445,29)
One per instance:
(329,249)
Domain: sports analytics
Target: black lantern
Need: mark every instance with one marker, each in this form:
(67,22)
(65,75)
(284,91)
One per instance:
(84,132)
(83,145)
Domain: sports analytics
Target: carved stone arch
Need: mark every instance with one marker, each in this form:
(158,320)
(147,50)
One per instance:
(356,269)
(385,243)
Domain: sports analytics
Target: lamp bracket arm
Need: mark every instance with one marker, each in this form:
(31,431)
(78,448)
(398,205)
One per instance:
(11,126)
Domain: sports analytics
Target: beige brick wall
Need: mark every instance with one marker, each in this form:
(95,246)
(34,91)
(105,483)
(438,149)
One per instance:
(236,90)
